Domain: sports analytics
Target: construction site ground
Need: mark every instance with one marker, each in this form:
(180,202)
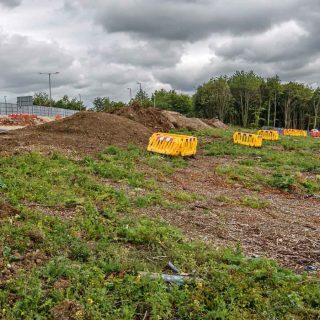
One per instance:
(84,206)
(286,229)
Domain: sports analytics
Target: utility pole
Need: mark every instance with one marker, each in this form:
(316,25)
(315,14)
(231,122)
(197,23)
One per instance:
(5,103)
(130,92)
(49,74)
(154,100)
(140,85)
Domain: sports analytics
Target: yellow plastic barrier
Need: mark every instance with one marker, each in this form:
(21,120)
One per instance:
(295,133)
(269,135)
(173,144)
(248,139)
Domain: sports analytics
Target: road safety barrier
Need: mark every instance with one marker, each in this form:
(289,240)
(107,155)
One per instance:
(315,134)
(173,144)
(248,139)
(269,135)
(295,133)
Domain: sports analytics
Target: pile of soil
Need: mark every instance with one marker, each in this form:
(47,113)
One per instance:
(215,123)
(179,121)
(84,132)
(152,118)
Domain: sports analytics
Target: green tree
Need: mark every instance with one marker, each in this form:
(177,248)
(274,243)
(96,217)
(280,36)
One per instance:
(245,87)
(316,106)
(105,104)
(41,99)
(213,98)
(171,100)
(274,89)
(67,103)
(142,98)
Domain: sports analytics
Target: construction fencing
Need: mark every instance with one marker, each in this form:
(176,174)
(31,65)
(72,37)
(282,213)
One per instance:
(10,108)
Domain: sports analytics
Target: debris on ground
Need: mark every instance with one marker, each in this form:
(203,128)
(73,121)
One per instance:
(21,120)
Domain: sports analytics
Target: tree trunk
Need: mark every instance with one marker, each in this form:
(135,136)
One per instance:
(275,109)
(316,109)
(269,107)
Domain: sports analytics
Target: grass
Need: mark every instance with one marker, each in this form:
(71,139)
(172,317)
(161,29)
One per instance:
(98,248)
(289,164)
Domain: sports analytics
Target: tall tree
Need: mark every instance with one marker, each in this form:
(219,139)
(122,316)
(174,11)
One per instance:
(213,98)
(316,106)
(274,91)
(245,87)
(171,100)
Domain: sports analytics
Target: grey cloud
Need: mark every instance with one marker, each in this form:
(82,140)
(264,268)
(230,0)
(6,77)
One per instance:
(21,60)
(10,3)
(148,54)
(192,20)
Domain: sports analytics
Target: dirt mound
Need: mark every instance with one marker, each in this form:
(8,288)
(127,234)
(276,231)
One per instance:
(179,121)
(152,118)
(87,132)
(215,123)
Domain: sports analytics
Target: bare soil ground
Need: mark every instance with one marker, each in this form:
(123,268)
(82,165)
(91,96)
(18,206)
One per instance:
(286,230)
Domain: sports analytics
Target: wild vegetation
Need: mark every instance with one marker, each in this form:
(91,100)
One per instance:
(73,240)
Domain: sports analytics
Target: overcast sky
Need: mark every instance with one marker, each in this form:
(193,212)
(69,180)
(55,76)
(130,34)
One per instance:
(103,47)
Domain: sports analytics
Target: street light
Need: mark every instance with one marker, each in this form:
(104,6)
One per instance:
(49,74)
(130,92)
(140,84)
(5,103)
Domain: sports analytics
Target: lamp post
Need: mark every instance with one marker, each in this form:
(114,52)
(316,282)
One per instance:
(49,74)
(130,92)
(5,103)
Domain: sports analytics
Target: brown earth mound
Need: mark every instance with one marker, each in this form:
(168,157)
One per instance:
(152,118)
(215,123)
(179,121)
(86,132)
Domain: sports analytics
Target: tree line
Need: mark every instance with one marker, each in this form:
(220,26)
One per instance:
(244,99)
(42,99)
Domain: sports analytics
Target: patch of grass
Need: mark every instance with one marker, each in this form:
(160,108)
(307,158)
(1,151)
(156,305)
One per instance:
(282,163)
(254,202)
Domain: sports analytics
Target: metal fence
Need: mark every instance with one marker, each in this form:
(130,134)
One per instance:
(9,108)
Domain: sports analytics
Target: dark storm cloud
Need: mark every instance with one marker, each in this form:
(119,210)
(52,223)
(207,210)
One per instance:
(193,20)
(10,3)
(157,53)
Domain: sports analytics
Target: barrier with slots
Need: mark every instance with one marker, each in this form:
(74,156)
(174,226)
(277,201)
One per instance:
(295,133)
(173,144)
(269,135)
(247,139)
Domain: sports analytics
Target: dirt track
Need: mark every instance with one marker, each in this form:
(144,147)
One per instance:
(287,230)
